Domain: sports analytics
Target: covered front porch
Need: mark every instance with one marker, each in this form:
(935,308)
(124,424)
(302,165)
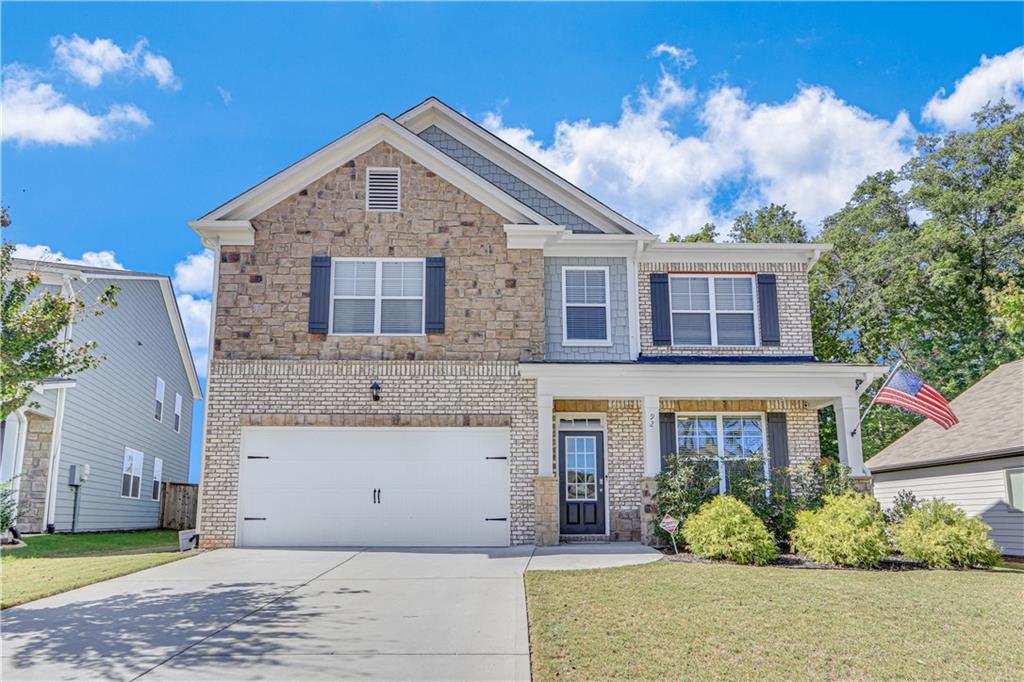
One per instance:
(604,431)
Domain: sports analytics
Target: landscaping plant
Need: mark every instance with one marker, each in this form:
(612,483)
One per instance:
(684,485)
(726,528)
(941,535)
(848,530)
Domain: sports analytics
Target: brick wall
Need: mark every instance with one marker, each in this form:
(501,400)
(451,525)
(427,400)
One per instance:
(624,466)
(35,469)
(439,393)
(494,296)
(794,308)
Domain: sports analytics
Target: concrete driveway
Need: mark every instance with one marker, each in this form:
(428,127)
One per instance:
(275,614)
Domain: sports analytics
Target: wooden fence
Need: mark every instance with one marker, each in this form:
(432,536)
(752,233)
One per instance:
(178,505)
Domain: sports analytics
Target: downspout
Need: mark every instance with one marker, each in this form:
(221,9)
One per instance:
(50,506)
(209,364)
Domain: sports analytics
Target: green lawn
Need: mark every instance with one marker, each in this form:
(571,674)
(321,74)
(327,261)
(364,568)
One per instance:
(671,620)
(51,564)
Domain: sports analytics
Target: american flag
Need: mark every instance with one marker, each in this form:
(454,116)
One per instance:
(910,392)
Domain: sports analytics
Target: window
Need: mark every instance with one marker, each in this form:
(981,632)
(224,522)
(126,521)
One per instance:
(158,472)
(581,468)
(585,306)
(713,311)
(177,412)
(383,189)
(159,414)
(727,442)
(131,474)
(379,297)
(1015,489)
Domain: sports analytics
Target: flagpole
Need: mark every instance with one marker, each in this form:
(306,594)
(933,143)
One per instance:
(885,383)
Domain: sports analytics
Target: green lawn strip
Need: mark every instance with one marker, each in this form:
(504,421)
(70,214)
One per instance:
(680,621)
(26,579)
(84,544)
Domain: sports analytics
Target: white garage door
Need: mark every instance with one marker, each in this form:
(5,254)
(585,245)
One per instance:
(318,487)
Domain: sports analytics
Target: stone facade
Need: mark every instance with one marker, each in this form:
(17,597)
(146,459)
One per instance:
(336,393)
(494,295)
(35,470)
(545,496)
(793,299)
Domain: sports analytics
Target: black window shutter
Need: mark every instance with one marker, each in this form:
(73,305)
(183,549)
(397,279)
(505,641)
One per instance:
(434,323)
(768,304)
(319,294)
(778,440)
(661,314)
(667,431)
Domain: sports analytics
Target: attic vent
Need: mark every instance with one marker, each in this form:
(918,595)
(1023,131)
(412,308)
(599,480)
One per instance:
(382,189)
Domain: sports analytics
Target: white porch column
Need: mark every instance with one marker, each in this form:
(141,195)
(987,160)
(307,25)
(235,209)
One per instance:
(545,415)
(851,452)
(652,436)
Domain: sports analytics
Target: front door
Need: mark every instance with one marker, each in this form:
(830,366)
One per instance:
(581,474)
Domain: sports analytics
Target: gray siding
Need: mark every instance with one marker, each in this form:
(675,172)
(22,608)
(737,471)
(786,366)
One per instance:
(113,406)
(512,185)
(979,488)
(618,312)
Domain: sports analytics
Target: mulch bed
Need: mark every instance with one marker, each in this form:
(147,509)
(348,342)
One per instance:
(893,563)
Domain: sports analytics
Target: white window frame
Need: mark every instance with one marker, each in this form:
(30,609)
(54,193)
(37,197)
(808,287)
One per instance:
(720,437)
(366,188)
(378,297)
(177,412)
(607,305)
(137,457)
(711,311)
(158,474)
(1016,506)
(160,389)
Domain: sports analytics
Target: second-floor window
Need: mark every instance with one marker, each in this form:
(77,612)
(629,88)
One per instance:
(377,297)
(159,412)
(177,412)
(713,311)
(585,306)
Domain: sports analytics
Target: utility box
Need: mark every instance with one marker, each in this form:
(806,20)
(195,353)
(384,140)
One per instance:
(75,475)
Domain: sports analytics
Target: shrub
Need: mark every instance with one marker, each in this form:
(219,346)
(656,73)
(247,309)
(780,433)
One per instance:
(9,509)
(939,534)
(726,528)
(902,506)
(848,530)
(684,485)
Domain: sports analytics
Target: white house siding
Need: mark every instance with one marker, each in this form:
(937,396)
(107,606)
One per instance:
(979,488)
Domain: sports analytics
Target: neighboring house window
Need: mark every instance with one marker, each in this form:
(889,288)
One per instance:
(158,472)
(724,440)
(177,412)
(1015,489)
(585,306)
(383,189)
(131,474)
(378,297)
(159,414)
(713,311)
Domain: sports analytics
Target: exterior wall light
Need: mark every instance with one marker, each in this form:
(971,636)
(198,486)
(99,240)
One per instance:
(375,391)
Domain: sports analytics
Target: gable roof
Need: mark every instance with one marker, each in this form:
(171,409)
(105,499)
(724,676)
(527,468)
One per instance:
(434,112)
(84,272)
(991,414)
(380,128)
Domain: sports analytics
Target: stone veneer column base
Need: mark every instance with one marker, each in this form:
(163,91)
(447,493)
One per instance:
(545,499)
(648,510)
(35,470)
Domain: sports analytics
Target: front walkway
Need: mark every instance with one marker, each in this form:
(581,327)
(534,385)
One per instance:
(298,614)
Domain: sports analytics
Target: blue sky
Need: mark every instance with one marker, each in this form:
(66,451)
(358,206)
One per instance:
(110,146)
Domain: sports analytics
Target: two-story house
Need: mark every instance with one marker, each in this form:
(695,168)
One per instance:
(90,453)
(424,337)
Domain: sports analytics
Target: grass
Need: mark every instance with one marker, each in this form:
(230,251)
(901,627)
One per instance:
(51,564)
(671,620)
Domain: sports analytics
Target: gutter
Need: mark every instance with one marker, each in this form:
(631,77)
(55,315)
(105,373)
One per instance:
(1016,451)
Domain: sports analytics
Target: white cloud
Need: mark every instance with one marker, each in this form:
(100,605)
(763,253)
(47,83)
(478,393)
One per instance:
(195,315)
(225,94)
(194,275)
(33,111)
(682,56)
(97,259)
(91,62)
(809,152)
(993,79)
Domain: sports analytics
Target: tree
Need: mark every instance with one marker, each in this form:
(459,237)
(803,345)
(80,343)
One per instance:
(33,343)
(772,224)
(708,233)
(928,266)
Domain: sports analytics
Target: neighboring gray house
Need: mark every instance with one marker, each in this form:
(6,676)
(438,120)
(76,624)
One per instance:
(125,425)
(977,464)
